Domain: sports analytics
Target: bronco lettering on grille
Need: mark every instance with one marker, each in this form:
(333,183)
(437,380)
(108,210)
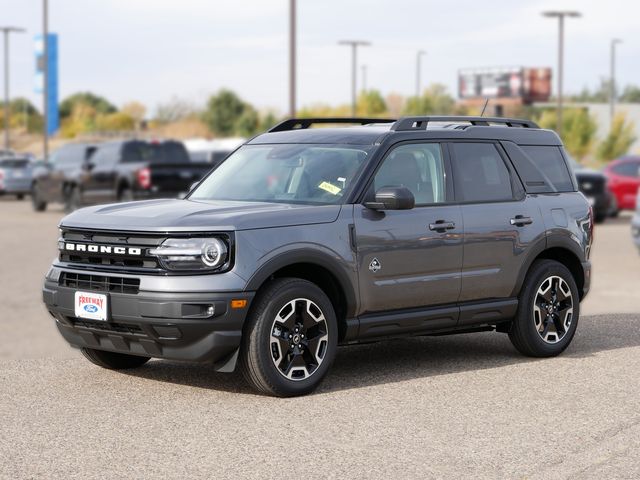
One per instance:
(108,249)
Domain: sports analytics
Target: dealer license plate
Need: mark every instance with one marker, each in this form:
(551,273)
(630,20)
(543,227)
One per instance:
(93,306)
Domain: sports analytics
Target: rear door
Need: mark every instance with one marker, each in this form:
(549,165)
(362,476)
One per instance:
(411,258)
(500,221)
(100,180)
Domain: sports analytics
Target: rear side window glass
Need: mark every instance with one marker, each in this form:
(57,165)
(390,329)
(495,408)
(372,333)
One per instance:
(630,169)
(549,159)
(480,174)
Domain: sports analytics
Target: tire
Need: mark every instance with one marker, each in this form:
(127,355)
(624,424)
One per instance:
(533,319)
(113,361)
(20,196)
(125,195)
(276,355)
(39,205)
(600,217)
(72,199)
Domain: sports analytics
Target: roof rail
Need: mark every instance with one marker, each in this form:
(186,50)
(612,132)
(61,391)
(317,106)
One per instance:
(303,123)
(420,123)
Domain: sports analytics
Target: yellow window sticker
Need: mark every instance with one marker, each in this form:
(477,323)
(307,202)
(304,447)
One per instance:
(330,187)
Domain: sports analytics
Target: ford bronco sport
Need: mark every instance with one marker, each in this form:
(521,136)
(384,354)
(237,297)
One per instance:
(309,238)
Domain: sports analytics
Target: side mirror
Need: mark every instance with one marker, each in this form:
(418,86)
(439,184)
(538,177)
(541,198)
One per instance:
(392,198)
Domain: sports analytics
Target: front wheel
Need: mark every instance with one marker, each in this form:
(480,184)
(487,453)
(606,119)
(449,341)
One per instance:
(37,199)
(290,338)
(73,199)
(112,360)
(548,311)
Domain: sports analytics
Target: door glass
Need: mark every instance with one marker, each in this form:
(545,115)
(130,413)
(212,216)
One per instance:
(419,167)
(480,174)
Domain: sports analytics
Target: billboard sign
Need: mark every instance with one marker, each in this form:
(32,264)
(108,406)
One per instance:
(53,117)
(527,84)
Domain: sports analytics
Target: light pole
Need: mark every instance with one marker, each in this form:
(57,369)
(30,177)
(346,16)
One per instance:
(364,78)
(292,58)
(560,15)
(45,79)
(418,71)
(612,80)
(7,31)
(354,44)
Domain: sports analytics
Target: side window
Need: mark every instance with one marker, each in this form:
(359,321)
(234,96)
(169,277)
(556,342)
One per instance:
(550,161)
(419,167)
(105,155)
(629,169)
(480,174)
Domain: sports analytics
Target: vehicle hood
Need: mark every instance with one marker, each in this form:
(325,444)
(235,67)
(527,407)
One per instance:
(197,215)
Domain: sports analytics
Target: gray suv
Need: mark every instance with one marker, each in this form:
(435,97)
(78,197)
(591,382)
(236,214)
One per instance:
(307,238)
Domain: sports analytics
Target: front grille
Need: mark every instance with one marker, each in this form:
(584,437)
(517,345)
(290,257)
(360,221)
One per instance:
(107,327)
(100,283)
(110,261)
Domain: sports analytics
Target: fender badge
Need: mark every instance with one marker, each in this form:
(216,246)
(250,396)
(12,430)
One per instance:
(375,265)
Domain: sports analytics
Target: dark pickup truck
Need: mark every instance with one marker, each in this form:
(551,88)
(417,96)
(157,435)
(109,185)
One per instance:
(82,174)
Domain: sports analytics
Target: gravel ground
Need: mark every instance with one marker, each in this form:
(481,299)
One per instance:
(443,407)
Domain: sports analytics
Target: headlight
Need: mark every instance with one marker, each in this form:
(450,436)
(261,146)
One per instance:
(192,253)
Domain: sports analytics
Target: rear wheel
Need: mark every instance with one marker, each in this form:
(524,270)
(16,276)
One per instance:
(37,199)
(125,195)
(112,360)
(548,311)
(20,196)
(290,338)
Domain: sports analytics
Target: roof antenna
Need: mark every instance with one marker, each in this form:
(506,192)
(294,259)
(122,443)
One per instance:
(486,102)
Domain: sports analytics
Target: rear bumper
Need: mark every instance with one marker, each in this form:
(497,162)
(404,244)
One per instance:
(172,326)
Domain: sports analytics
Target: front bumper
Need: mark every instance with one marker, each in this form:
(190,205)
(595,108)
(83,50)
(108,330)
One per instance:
(172,326)
(586,270)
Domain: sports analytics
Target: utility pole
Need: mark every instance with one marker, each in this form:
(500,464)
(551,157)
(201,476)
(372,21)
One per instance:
(418,71)
(292,58)
(354,44)
(364,78)
(612,80)
(560,15)
(45,78)
(7,31)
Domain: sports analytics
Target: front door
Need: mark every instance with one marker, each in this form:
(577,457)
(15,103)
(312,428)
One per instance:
(410,258)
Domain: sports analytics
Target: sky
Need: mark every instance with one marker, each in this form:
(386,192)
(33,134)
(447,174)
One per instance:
(155,50)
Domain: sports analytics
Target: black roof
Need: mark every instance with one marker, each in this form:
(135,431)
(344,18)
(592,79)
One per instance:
(522,132)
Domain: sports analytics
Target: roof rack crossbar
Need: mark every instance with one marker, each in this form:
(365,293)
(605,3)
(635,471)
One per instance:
(421,123)
(304,123)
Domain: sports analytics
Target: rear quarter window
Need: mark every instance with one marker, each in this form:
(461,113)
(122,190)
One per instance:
(550,161)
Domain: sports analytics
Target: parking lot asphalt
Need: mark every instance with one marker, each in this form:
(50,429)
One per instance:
(429,407)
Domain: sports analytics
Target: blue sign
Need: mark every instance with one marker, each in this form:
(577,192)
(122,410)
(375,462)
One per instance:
(53,116)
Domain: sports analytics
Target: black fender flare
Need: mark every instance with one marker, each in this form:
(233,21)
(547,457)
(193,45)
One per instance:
(554,240)
(329,262)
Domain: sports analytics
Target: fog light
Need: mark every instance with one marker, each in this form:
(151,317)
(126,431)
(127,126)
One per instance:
(211,310)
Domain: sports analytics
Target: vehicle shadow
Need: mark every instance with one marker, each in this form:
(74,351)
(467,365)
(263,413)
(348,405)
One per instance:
(399,360)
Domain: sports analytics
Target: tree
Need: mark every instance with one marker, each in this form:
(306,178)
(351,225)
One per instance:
(247,124)
(174,110)
(578,129)
(98,103)
(135,110)
(267,121)
(434,100)
(113,122)
(630,94)
(371,103)
(223,111)
(619,139)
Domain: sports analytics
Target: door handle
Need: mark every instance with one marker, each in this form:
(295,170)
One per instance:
(520,221)
(440,225)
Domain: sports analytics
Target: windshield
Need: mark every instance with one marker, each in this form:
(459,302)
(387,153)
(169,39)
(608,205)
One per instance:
(307,174)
